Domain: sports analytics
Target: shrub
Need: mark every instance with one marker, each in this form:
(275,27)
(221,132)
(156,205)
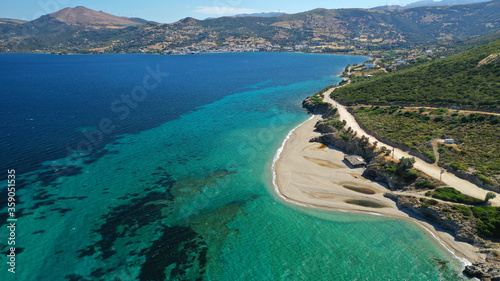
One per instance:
(392,169)
(317,100)
(432,202)
(439,119)
(345,137)
(488,221)
(337,124)
(430,155)
(440,111)
(489,196)
(428,203)
(464,210)
(426,184)
(457,165)
(410,175)
(484,179)
(405,163)
(453,195)
(408,114)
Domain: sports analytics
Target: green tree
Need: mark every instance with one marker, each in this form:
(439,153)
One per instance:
(405,164)
(404,168)
(489,196)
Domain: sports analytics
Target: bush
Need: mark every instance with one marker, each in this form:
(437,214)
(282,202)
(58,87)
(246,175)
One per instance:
(459,166)
(391,169)
(488,221)
(405,163)
(428,203)
(464,210)
(440,111)
(317,100)
(453,195)
(430,155)
(410,175)
(484,179)
(439,119)
(337,124)
(489,196)
(432,202)
(425,185)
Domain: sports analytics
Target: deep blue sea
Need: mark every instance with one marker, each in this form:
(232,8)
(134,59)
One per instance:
(145,167)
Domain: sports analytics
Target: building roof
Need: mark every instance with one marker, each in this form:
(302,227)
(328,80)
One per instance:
(355,160)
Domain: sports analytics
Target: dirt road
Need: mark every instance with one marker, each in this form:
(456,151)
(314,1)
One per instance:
(434,171)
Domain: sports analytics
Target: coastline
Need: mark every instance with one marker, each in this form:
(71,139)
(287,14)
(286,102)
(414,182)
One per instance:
(305,183)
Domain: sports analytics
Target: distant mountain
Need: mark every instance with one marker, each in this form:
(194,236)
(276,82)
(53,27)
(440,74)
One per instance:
(82,30)
(9,26)
(261,15)
(61,26)
(11,21)
(430,3)
(81,16)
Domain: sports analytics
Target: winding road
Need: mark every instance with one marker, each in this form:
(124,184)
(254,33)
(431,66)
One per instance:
(434,171)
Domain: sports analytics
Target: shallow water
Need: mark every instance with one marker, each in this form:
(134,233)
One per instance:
(181,190)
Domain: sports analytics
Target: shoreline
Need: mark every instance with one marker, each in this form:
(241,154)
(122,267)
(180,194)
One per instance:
(463,252)
(293,161)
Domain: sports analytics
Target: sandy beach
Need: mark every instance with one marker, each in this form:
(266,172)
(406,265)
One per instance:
(313,175)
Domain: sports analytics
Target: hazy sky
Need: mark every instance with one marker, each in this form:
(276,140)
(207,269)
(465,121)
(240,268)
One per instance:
(167,11)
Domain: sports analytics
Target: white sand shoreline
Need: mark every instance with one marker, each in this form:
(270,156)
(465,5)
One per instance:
(302,182)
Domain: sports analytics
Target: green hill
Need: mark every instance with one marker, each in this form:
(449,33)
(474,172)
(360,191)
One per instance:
(468,79)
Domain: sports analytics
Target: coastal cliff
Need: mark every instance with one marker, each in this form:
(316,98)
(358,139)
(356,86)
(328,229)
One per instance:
(315,104)
(461,223)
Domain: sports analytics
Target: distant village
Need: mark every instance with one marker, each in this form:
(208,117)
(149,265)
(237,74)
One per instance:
(196,49)
(380,60)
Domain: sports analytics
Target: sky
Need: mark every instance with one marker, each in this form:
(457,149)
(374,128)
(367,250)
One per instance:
(167,11)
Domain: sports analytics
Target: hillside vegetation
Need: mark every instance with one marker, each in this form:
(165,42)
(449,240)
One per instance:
(339,30)
(467,79)
(476,149)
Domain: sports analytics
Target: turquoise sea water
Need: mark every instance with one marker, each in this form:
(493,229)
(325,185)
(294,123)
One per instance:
(188,196)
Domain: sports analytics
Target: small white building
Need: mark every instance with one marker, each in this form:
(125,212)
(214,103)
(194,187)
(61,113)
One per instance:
(449,141)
